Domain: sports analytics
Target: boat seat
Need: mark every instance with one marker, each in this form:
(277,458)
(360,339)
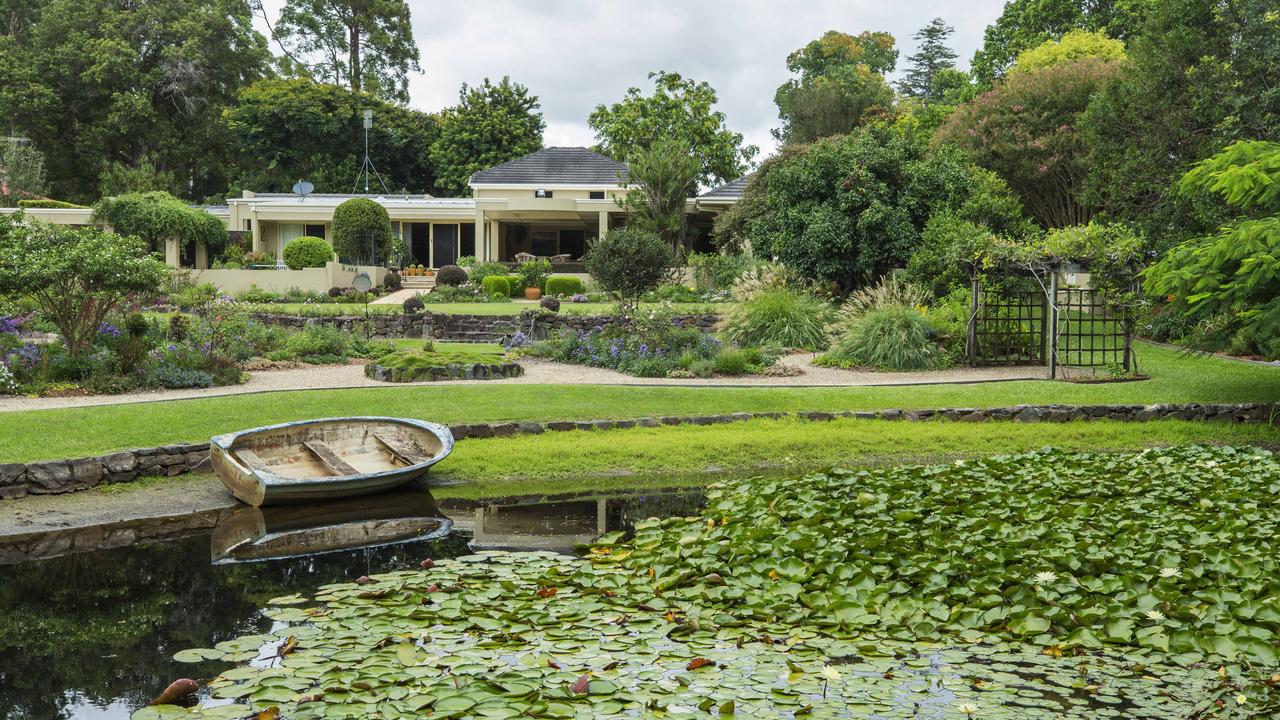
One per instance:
(330,458)
(399,448)
(250,458)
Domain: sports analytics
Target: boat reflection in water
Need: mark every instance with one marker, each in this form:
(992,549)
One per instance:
(250,534)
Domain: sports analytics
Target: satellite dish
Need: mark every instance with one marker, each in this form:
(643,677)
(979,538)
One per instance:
(362,283)
(302,188)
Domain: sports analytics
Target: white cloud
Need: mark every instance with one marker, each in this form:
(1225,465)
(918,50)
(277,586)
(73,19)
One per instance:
(576,55)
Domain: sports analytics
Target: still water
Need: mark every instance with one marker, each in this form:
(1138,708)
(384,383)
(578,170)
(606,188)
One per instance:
(91,635)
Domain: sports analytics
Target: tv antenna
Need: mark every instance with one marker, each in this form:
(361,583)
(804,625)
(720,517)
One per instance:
(302,189)
(367,168)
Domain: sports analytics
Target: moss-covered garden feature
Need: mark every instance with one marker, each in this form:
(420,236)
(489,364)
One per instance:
(1043,585)
(433,365)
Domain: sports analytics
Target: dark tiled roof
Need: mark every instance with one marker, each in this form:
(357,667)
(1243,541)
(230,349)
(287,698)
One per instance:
(555,166)
(729,191)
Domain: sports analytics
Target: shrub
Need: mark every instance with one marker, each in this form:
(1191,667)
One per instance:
(413,305)
(496,285)
(392,281)
(551,303)
(49,204)
(734,361)
(8,385)
(467,261)
(193,296)
(764,276)
(533,273)
(897,338)
(136,324)
(318,341)
(307,252)
(564,285)
(480,271)
(630,262)
(517,285)
(779,316)
(717,271)
(891,292)
(172,376)
(337,292)
(361,231)
(451,276)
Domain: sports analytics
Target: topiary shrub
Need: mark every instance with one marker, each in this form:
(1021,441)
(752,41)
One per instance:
(564,285)
(361,231)
(550,303)
(897,338)
(630,262)
(779,316)
(496,285)
(451,276)
(413,305)
(307,252)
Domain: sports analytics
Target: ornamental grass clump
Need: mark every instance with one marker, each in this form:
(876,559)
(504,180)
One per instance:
(779,317)
(895,338)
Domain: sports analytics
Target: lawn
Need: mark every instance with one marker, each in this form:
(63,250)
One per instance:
(74,432)
(511,308)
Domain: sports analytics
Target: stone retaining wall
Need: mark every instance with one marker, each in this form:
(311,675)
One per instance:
(476,371)
(59,476)
(450,327)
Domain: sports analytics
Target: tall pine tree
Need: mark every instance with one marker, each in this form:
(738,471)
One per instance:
(932,56)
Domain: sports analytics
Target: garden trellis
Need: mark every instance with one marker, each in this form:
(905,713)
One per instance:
(1040,314)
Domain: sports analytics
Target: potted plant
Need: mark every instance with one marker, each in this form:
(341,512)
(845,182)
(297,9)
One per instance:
(534,274)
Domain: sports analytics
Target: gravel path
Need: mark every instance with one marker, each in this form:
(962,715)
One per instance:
(546,373)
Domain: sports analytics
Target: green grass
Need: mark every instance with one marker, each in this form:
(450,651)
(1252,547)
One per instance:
(74,432)
(416,359)
(417,344)
(511,308)
(674,456)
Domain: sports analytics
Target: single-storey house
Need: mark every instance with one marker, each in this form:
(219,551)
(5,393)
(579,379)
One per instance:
(552,202)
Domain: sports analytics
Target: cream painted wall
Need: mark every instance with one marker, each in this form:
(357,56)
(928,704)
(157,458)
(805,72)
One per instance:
(312,279)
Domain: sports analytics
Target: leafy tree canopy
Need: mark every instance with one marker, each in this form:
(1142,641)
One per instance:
(629,262)
(663,176)
(491,124)
(21,171)
(840,86)
(1234,272)
(291,130)
(847,210)
(75,275)
(158,216)
(366,45)
(1202,77)
(361,231)
(678,108)
(1025,24)
(94,84)
(1026,130)
(1075,45)
(932,57)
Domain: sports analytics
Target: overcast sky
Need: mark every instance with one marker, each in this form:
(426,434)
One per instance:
(576,55)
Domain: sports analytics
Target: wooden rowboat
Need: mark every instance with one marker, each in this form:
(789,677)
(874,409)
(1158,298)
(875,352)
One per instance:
(325,459)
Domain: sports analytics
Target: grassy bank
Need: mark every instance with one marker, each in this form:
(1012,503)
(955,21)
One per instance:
(72,432)
(672,456)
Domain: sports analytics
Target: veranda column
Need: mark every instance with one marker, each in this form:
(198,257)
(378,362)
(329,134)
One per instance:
(172,258)
(256,228)
(202,256)
(604,223)
(482,237)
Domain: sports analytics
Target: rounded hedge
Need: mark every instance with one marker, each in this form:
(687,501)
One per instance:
(564,285)
(496,285)
(517,285)
(629,262)
(413,305)
(451,275)
(307,252)
(361,227)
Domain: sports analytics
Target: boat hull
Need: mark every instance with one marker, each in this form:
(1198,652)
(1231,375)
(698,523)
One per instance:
(285,473)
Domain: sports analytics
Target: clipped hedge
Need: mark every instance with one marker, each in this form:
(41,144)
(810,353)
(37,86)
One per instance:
(50,205)
(564,285)
(356,222)
(496,285)
(307,252)
(517,285)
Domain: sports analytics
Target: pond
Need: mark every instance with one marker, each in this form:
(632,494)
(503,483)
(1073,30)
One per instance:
(92,634)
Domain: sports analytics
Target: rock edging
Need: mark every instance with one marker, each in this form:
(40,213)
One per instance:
(59,476)
(455,371)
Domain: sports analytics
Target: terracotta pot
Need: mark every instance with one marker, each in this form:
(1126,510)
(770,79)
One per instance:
(532,293)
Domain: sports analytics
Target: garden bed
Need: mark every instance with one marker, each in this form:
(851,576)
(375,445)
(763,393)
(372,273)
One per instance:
(433,366)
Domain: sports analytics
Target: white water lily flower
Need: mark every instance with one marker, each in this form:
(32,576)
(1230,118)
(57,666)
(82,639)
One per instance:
(967,708)
(1241,699)
(1045,577)
(1155,615)
(1168,572)
(830,673)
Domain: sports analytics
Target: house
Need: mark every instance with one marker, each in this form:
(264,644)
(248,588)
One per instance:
(552,202)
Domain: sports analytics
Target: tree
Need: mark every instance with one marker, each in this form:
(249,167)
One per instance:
(841,86)
(1075,45)
(1026,130)
(21,171)
(846,210)
(663,177)
(155,217)
(361,231)
(143,176)
(75,275)
(1202,77)
(930,58)
(678,108)
(1025,24)
(1233,272)
(290,130)
(94,84)
(364,44)
(490,125)
(630,262)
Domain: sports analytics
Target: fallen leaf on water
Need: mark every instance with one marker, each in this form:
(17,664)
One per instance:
(271,713)
(547,592)
(579,686)
(364,580)
(698,662)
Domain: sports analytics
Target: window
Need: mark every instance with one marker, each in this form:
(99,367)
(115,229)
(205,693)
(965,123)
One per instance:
(542,193)
(596,195)
(316,231)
